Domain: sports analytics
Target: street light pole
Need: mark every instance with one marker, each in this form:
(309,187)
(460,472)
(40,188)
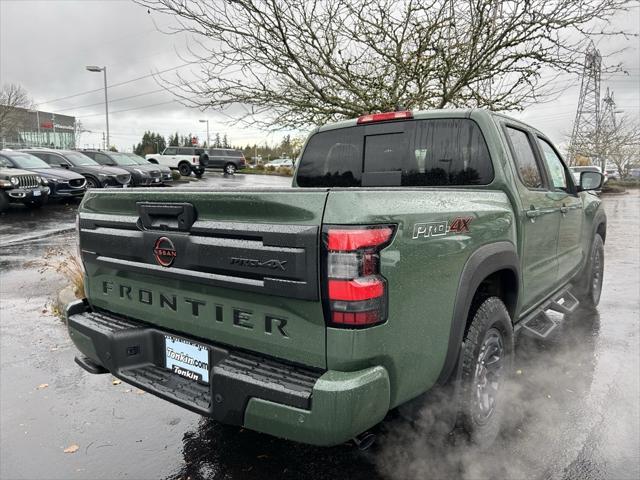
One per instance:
(208,141)
(93,68)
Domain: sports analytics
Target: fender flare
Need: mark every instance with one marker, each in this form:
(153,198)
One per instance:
(483,262)
(600,218)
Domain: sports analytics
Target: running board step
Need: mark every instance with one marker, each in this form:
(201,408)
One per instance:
(564,303)
(542,321)
(540,324)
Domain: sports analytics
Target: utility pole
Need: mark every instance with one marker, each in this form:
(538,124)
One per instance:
(585,138)
(93,68)
(208,140)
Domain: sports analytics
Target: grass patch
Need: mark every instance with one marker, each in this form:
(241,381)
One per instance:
(625,183)
(280,171)
(66,264)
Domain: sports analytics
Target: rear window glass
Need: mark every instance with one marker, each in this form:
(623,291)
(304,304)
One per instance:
(422,152)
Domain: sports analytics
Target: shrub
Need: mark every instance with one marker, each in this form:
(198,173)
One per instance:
(66,264)
(270,168)
(285,171)
(175,174)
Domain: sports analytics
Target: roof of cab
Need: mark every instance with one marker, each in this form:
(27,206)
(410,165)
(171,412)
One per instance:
(439,113)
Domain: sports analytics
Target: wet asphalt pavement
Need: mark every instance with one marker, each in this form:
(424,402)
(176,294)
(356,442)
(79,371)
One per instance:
(574,414)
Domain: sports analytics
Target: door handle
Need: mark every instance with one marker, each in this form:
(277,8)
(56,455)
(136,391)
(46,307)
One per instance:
(533,213)
(564,209)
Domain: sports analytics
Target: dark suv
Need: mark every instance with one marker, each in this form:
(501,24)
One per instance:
(141,175)
(18,185)
(62,182)
(98,176)
(227,159)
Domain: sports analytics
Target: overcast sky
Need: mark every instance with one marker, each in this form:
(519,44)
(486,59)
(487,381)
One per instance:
(45,46)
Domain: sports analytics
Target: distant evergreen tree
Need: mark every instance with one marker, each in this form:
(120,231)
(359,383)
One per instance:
(174,140)
(151,143)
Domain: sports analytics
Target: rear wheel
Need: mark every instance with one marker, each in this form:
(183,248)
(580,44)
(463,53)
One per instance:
(486,364)
(589,286)
(230,168)
(185,169)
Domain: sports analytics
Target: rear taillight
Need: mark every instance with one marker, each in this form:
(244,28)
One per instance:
(356,292)
(194,160)
(384,117)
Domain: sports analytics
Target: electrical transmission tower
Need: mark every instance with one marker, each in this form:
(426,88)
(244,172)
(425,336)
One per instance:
(608,116)
(584,138)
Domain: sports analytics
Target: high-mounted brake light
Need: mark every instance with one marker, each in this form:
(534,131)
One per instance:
(383,117)
(356,292)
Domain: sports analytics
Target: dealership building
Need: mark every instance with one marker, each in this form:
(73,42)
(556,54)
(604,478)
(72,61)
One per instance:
(34,128)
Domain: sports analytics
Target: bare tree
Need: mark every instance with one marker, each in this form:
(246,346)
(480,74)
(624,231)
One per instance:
(620,143)
(290,63)
(12,98)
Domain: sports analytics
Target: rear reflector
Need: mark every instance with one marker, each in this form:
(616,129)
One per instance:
(356,318)
(383,117)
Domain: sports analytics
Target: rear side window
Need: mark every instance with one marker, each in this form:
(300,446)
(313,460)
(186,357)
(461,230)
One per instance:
(525,159)
(185,151)
(421,152)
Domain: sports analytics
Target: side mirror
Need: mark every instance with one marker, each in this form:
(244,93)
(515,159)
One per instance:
(590,181)
(64,165)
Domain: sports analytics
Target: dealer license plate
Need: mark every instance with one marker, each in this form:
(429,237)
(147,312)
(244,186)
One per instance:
(36,193)
(186,358)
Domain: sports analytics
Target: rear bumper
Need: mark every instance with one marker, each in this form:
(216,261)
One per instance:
(257,392)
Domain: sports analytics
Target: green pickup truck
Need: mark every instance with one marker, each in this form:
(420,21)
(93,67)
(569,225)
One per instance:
(410,250)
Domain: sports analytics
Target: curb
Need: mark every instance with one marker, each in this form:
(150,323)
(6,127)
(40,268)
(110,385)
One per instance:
(64,298)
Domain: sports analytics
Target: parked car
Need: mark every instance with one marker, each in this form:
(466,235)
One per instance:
(281,162)
(576,171)
(183,159)
(21,186)
(165,171)
(98,176)
(141,175)
(62,183)
(227,159)
(612,173)
(411,250)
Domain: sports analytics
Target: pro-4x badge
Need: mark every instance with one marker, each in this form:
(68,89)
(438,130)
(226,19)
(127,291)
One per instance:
(437,229)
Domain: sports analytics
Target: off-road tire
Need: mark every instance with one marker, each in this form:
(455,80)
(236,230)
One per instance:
(588,287)
(184,168)
(4,202)
(490,328)
(230,168)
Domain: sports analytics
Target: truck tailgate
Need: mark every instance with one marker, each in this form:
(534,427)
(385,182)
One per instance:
(237,268)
